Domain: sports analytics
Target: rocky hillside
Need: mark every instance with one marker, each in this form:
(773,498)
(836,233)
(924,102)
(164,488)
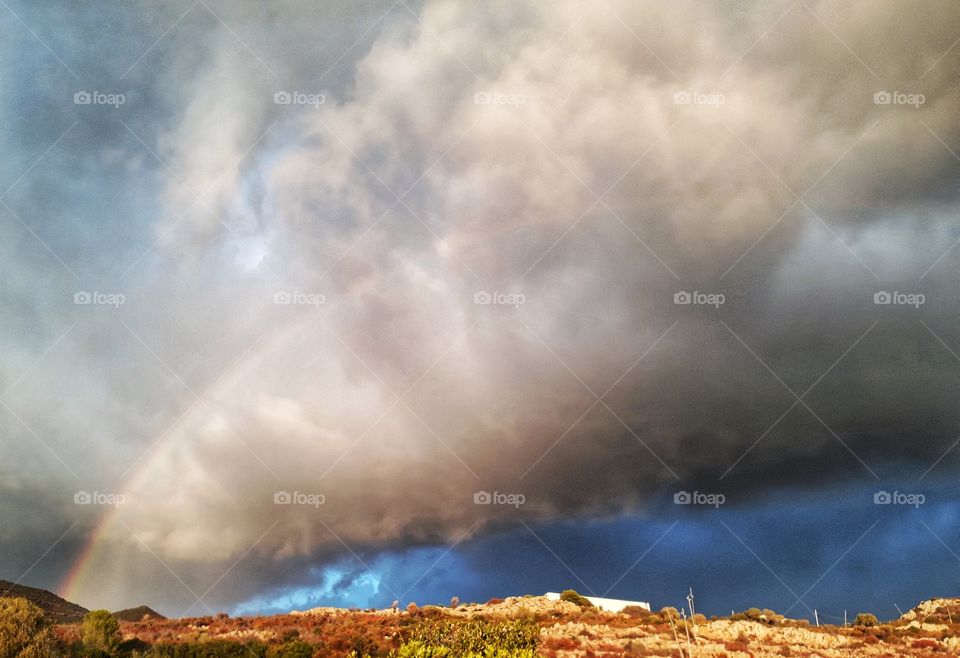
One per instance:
(140,613)
(554,629)
(58,610)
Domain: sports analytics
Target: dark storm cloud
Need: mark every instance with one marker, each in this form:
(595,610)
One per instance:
(384,386)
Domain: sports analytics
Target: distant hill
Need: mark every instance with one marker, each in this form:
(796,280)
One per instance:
(57,610)
(138,614)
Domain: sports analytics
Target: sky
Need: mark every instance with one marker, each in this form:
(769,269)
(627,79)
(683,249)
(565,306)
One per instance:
(350,302)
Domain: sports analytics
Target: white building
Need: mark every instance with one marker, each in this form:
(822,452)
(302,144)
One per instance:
(609,605)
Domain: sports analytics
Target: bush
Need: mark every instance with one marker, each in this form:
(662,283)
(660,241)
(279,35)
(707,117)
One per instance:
(865,619)
(573,596)
(669,613)
(291,649)
(101,632)
(473,638)
(208,649)
(635,611)
(24,632)
(417,649)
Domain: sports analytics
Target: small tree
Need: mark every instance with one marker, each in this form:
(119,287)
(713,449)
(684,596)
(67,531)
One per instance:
(865,619)
(669,613)
(573,596)
(24,632)
(101,632)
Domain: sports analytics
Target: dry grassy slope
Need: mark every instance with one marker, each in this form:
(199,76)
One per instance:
(56,609)
(927,631)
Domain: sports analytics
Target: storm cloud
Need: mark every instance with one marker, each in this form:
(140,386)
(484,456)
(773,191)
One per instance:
(381,259)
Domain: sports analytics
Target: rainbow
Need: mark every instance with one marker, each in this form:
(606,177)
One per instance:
(73,583)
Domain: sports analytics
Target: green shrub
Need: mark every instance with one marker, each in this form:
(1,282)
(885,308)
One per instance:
(24,632)
(417,649)
(208,649)
(101,632)
(291,649)
(865,619)
(472,638)
(573,596)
